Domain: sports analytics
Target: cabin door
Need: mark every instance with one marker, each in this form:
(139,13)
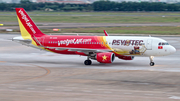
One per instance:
(149,44)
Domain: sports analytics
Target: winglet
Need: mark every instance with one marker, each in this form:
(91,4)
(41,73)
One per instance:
(106,34)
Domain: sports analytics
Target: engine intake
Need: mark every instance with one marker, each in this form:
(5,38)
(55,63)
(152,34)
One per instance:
(107,57)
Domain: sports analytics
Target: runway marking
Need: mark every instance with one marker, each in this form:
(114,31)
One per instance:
(175,97)
(47,72)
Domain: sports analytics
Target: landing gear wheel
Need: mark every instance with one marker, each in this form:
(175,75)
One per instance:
(151,63)
(87,62)
(151,60)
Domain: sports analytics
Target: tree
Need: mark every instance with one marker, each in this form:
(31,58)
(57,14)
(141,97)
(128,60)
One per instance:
(25,1)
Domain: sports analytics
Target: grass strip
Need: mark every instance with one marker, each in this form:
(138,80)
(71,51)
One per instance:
(164,30)
(97,19)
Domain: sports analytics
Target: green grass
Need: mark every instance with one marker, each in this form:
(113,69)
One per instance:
(96,19)
(83,18)
(104,19)
(164,30)
(98,13)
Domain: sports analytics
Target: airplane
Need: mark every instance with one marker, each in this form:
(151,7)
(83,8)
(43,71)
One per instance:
(103,49)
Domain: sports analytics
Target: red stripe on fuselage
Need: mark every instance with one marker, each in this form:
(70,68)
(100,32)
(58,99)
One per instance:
(90,42)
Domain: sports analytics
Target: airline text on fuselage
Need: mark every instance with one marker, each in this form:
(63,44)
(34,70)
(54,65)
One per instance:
(68,41)
(127,42)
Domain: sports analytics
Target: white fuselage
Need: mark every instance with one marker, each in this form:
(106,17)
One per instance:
(143,46)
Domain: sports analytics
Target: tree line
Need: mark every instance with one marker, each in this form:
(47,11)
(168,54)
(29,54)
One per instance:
(103,5)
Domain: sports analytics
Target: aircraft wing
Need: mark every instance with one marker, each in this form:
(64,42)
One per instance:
(85,50)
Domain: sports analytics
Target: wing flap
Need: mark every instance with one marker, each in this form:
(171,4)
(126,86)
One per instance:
(80,49)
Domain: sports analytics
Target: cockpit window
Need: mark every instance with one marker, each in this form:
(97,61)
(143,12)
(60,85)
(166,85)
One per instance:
(163,43)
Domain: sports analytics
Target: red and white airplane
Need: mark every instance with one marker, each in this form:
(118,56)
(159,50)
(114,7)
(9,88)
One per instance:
(104,49)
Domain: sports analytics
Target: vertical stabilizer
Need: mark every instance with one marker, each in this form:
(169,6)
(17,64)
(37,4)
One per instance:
(27,26)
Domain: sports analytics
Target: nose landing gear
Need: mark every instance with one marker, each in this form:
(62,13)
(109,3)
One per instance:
(151,61)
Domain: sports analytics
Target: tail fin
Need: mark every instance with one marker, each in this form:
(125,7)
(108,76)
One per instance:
(27,26)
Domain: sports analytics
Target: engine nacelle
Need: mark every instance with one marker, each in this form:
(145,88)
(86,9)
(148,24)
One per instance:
(107,57)
(126,57)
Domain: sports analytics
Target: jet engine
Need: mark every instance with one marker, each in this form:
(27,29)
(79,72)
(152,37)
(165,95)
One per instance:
(107,57)
(126,57)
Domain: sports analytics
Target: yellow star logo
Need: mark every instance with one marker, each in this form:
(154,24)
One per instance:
(104,57)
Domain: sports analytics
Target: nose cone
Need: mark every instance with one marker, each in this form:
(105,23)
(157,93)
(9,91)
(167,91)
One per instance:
(172,50)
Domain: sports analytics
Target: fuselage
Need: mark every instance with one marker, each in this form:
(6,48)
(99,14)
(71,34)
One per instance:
(120,45)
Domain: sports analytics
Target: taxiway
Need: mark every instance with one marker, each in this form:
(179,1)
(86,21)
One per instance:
(34,75)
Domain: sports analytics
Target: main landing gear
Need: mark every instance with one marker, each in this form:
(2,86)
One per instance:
(151,61)
(88,61)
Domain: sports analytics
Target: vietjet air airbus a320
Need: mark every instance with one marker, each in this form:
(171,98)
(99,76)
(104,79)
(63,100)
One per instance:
(104,49)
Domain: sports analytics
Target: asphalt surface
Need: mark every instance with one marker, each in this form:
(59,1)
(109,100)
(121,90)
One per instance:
(28,74)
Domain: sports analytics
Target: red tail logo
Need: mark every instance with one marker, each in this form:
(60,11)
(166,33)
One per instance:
(27,22)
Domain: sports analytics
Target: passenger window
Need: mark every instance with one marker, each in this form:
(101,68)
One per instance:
(159,43)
